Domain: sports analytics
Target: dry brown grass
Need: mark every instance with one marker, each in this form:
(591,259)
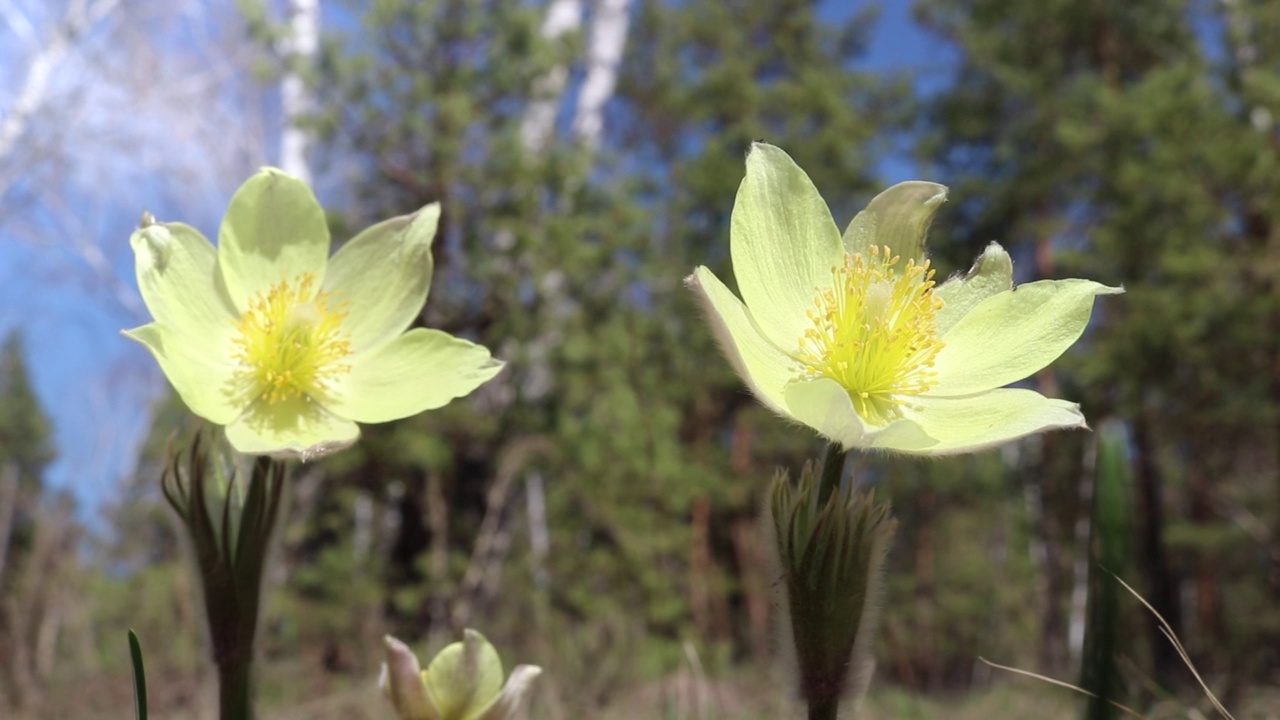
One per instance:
(295,695)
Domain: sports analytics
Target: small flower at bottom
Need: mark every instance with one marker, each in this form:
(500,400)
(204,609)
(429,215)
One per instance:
(463,682)
(285,346)
(851,336)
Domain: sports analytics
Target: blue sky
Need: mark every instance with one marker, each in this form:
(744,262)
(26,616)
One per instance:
(66,278)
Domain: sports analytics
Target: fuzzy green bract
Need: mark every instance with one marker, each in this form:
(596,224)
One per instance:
(463,682)
(848,333)
(286,346)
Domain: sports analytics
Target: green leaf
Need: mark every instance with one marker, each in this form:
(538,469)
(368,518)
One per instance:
(139,678)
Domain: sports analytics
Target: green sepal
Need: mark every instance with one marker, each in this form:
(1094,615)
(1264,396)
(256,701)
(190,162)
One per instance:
(832,540)
(230,534)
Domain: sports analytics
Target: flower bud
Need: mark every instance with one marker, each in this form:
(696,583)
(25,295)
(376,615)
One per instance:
(463,682)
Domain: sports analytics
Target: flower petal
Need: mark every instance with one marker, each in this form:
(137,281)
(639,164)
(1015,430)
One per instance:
(401,681)
(783,242)
(297,428)
(383,275)
(991,274)
(763,367)
(274,230)
(948,426)
(1011,335)
(420,370)
(465,677)
(898,218)
(824,405)
(178,277)
(200,376)
(508,704)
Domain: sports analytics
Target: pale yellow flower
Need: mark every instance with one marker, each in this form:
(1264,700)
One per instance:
(850,335)
(285,346)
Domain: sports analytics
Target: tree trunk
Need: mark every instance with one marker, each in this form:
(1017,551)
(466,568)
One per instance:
(1045,548)
(563,17)
(437,517)
(1162,586)
(1208,596)
(609,22)
(8,508)
(753,566)
(1080,572)
(926,599)
(295,100)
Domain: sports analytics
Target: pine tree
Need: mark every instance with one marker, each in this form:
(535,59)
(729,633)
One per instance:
(25,431)
(569,264)
(25,450)
(1102,140)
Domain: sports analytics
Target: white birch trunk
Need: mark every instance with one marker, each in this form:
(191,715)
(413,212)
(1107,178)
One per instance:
(295,100)
(1240,33)
(539,535)
(563,17)
(609,22)
(1080,572)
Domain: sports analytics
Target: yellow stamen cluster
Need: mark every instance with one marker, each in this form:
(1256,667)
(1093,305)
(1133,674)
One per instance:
(875,332)
(290,343)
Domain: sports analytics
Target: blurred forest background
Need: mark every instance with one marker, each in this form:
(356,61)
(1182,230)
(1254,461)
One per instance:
(595,509)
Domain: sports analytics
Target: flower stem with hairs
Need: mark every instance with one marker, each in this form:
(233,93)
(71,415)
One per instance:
(230,529)
(832,541)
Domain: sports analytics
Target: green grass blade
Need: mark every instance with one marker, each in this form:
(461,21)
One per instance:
(139,678)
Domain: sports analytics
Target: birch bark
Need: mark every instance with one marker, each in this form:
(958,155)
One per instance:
(300,50)
(563,17)
(609,23)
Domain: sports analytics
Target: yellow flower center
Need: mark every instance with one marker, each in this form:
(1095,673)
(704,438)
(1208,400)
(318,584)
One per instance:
(290,343)
(875,333)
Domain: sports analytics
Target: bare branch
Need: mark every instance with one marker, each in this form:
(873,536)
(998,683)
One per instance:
(80,17)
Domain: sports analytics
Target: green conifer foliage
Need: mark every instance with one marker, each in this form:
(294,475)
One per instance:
(25,450)
(569,261)
(1134,141)
(25,431)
